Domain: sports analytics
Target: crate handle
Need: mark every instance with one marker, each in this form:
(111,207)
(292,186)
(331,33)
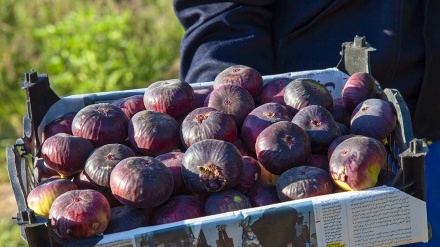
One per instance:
(355,56)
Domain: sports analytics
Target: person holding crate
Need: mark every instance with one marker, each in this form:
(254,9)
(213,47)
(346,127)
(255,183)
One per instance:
(280,36)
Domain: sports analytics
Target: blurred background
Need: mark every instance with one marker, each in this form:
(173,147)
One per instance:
(84,46)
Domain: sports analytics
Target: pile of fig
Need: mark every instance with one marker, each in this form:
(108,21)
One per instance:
(178,153)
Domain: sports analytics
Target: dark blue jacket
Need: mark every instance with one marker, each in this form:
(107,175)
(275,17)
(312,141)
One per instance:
(276,36)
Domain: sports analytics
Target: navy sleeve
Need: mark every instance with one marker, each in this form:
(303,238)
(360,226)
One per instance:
(220,34)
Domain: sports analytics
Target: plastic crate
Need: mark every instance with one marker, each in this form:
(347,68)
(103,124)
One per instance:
(406,155)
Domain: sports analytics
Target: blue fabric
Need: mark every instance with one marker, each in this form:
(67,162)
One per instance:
(432,170)
(276,36)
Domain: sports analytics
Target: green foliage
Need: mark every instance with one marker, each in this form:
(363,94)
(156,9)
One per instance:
(84,46)
(93,51)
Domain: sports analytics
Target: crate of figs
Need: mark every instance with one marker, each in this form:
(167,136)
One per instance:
(311,158)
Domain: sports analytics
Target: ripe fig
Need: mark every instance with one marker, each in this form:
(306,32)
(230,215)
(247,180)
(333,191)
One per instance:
(41,198)
(62,124)
(303,92)
(267,177)
(200,95)
(320,161)
(172,97)
(303,182)
(273,91)
(177,208)
(66,154)
(243,76)
(359,87)
(281,146)
(41,172)
(260,118)
(336,142)
(343,129)
(83,182)
(340,112)
(124,218)
(101,124)
(79,214)
(320,126)
(242,147)
(173,160)
(141,182)
(153,133)
(251,174)
(207,123)
(263,194)
(356,163)
(233,100)
(226,201)
(374,118)
(130,105)
(101,162)
(211,166)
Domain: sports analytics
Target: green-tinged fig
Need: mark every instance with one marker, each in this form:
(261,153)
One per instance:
(356,163)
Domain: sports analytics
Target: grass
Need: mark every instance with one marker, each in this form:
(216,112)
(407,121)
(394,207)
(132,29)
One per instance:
(10,234)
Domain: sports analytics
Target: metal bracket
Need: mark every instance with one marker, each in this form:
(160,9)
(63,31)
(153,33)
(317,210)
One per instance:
(417,148)
(40,97)
(355,56)
(14,162)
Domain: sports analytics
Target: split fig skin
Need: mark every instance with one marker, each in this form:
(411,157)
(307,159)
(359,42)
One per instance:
(211,166)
